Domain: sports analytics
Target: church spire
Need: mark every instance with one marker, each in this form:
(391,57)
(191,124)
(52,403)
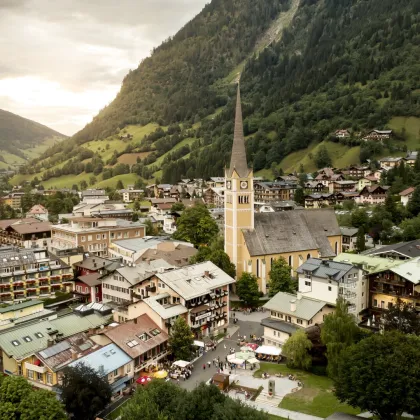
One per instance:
(238,157)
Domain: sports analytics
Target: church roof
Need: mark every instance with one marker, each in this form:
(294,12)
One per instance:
(292,231)
(238,160)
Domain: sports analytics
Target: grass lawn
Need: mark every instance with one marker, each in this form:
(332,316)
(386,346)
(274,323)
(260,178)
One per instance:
(127,179)
(315,398)
(412,130)
(159,160)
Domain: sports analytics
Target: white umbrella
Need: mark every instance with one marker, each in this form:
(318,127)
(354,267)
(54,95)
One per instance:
(246,348)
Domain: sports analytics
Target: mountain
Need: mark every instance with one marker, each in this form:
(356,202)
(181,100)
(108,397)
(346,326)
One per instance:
(22,139)
(307,68)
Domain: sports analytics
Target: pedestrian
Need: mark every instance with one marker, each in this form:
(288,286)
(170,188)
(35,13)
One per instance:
(204,366)
(209,364)
(177,381)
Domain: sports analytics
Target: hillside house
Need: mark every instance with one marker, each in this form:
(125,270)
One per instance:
(390,162)
(342,134)
(411,158)
(406,195)
(378,135)
(375,194)
(38,211)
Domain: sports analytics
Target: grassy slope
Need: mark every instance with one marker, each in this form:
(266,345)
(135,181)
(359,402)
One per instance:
(315,398)
(412,130)
(184,142)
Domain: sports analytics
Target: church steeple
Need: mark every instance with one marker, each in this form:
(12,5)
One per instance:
(238,160)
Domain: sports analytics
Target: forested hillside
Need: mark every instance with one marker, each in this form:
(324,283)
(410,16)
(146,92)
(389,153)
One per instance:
(351,64)
(21,138)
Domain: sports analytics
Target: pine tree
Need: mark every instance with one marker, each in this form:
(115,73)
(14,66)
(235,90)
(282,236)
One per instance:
(280,278)
(360,240)
(181,340)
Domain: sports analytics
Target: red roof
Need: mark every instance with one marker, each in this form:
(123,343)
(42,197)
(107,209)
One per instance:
(407,191)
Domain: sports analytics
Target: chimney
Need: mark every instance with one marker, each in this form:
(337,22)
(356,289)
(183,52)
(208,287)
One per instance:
(293,305)
(50,342)
(207,273)
(299,295)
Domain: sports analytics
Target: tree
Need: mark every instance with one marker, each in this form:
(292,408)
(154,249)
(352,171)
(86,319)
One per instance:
(196,226)
(322,158)
(247,289)
(280,278)
(19,401)
(178,206)
(402,316)
(215,253)
(120,185)
(296,350)
(378,375)
(150,229)
(84,391)
(92,180)
(83,185)
(299,197)
(413,205)
(136,205)
(181,340)
(339,331)
(360,240)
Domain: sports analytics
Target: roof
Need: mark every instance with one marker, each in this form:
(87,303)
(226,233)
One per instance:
(349,231)
(238,160)
(292,231)
(195,280)
(142,271)
(325,269)
(90,279)
(410,249)
(306,308)
(164,311)
(407,191)
(24,228)
(38,209)
(408,270)
(20,306)
(367,262)
(138,244)
(105,360)
(95,263)
(275,324)
(127,336)
(38,333)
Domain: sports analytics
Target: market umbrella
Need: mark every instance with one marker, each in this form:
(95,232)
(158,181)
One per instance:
(252,346)
(245,355)
(161,374)
(143,380)
(246,348)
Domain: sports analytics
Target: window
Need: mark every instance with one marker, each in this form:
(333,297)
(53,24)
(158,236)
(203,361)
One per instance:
(329,288)
(83,238)
(125,234)
(30,374)
(290,260)
(307,283)
(288,319)
(119,235)
(49,378)
(112,235)
(308,256)
(16,343)
(137,233)
(129,368)
(116,372)
(375,302)
(299,321)
(89,237)
(104,236)
(27,339)
(389,305)
(39,335)
(19,370)
(258,267)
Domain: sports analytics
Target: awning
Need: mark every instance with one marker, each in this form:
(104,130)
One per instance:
(236,361)
(270,350)
(181,363)
(253,361)
(198,343)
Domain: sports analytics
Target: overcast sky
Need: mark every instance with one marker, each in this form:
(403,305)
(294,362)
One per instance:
(64,60)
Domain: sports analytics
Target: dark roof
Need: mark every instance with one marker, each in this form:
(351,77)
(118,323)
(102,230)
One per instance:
(90,279)
(409,249)
(325,269)
(96,263)
(286,327)
(36,226)
(292,231)
(238,160)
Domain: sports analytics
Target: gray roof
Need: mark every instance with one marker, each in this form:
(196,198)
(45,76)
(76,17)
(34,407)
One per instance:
(306,308)
(409,249)
(325,269)
(164,311)
(238,160)
(143,270)
(67,325)
(195,280)
(349,231)
(275,324)
(20,306)
(292,231)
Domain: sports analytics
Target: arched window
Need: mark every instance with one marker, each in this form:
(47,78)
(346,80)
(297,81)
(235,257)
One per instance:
(336,248)
(308,256)
(258,268)
(290,261)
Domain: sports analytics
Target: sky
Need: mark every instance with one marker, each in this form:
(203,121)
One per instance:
(64,60)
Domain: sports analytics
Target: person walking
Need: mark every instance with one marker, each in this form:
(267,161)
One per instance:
(204,366)
(209,364)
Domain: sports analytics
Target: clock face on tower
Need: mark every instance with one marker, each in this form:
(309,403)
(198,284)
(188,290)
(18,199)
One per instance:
(228,185)
(244,185)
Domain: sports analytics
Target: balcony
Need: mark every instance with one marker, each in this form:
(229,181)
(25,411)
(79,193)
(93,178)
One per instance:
(35,368)
(151,289)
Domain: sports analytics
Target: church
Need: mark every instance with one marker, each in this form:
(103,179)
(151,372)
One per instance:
(254,240)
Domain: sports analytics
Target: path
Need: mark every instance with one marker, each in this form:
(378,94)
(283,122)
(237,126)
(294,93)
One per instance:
(292,415)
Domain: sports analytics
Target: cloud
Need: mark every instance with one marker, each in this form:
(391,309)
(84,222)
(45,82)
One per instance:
(66,59)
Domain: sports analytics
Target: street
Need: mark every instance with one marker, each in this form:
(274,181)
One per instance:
(246,325)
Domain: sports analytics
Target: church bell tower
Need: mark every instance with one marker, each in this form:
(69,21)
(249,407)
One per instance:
(239,195)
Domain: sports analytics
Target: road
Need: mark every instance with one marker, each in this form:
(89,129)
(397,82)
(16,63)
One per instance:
(247,324)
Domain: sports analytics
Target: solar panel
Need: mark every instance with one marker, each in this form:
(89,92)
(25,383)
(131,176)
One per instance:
(52,351)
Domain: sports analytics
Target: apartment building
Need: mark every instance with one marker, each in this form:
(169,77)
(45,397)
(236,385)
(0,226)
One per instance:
(329,280)
(376,194)
(94,234)
(130,194)
(290,312)
(199,293)
(266,192)
(214,196)
(25,233)
(14,200)
(34,273)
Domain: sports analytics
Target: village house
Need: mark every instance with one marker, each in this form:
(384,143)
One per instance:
(14,200)
(267,192)
(318,201)
(399,251)
(216,182)
(288,313)
(314,187)
(150,248)
(390,162)
(357,172)
(25,233)
(94,234)
(105,210)
(375,194)
(214,196)
(366,181)
(411,158)
(406,195)
(378,135)
(350,239)
(38,211)
(331,280)
(131,194)
(93,196)
(340,186)
(342,134)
